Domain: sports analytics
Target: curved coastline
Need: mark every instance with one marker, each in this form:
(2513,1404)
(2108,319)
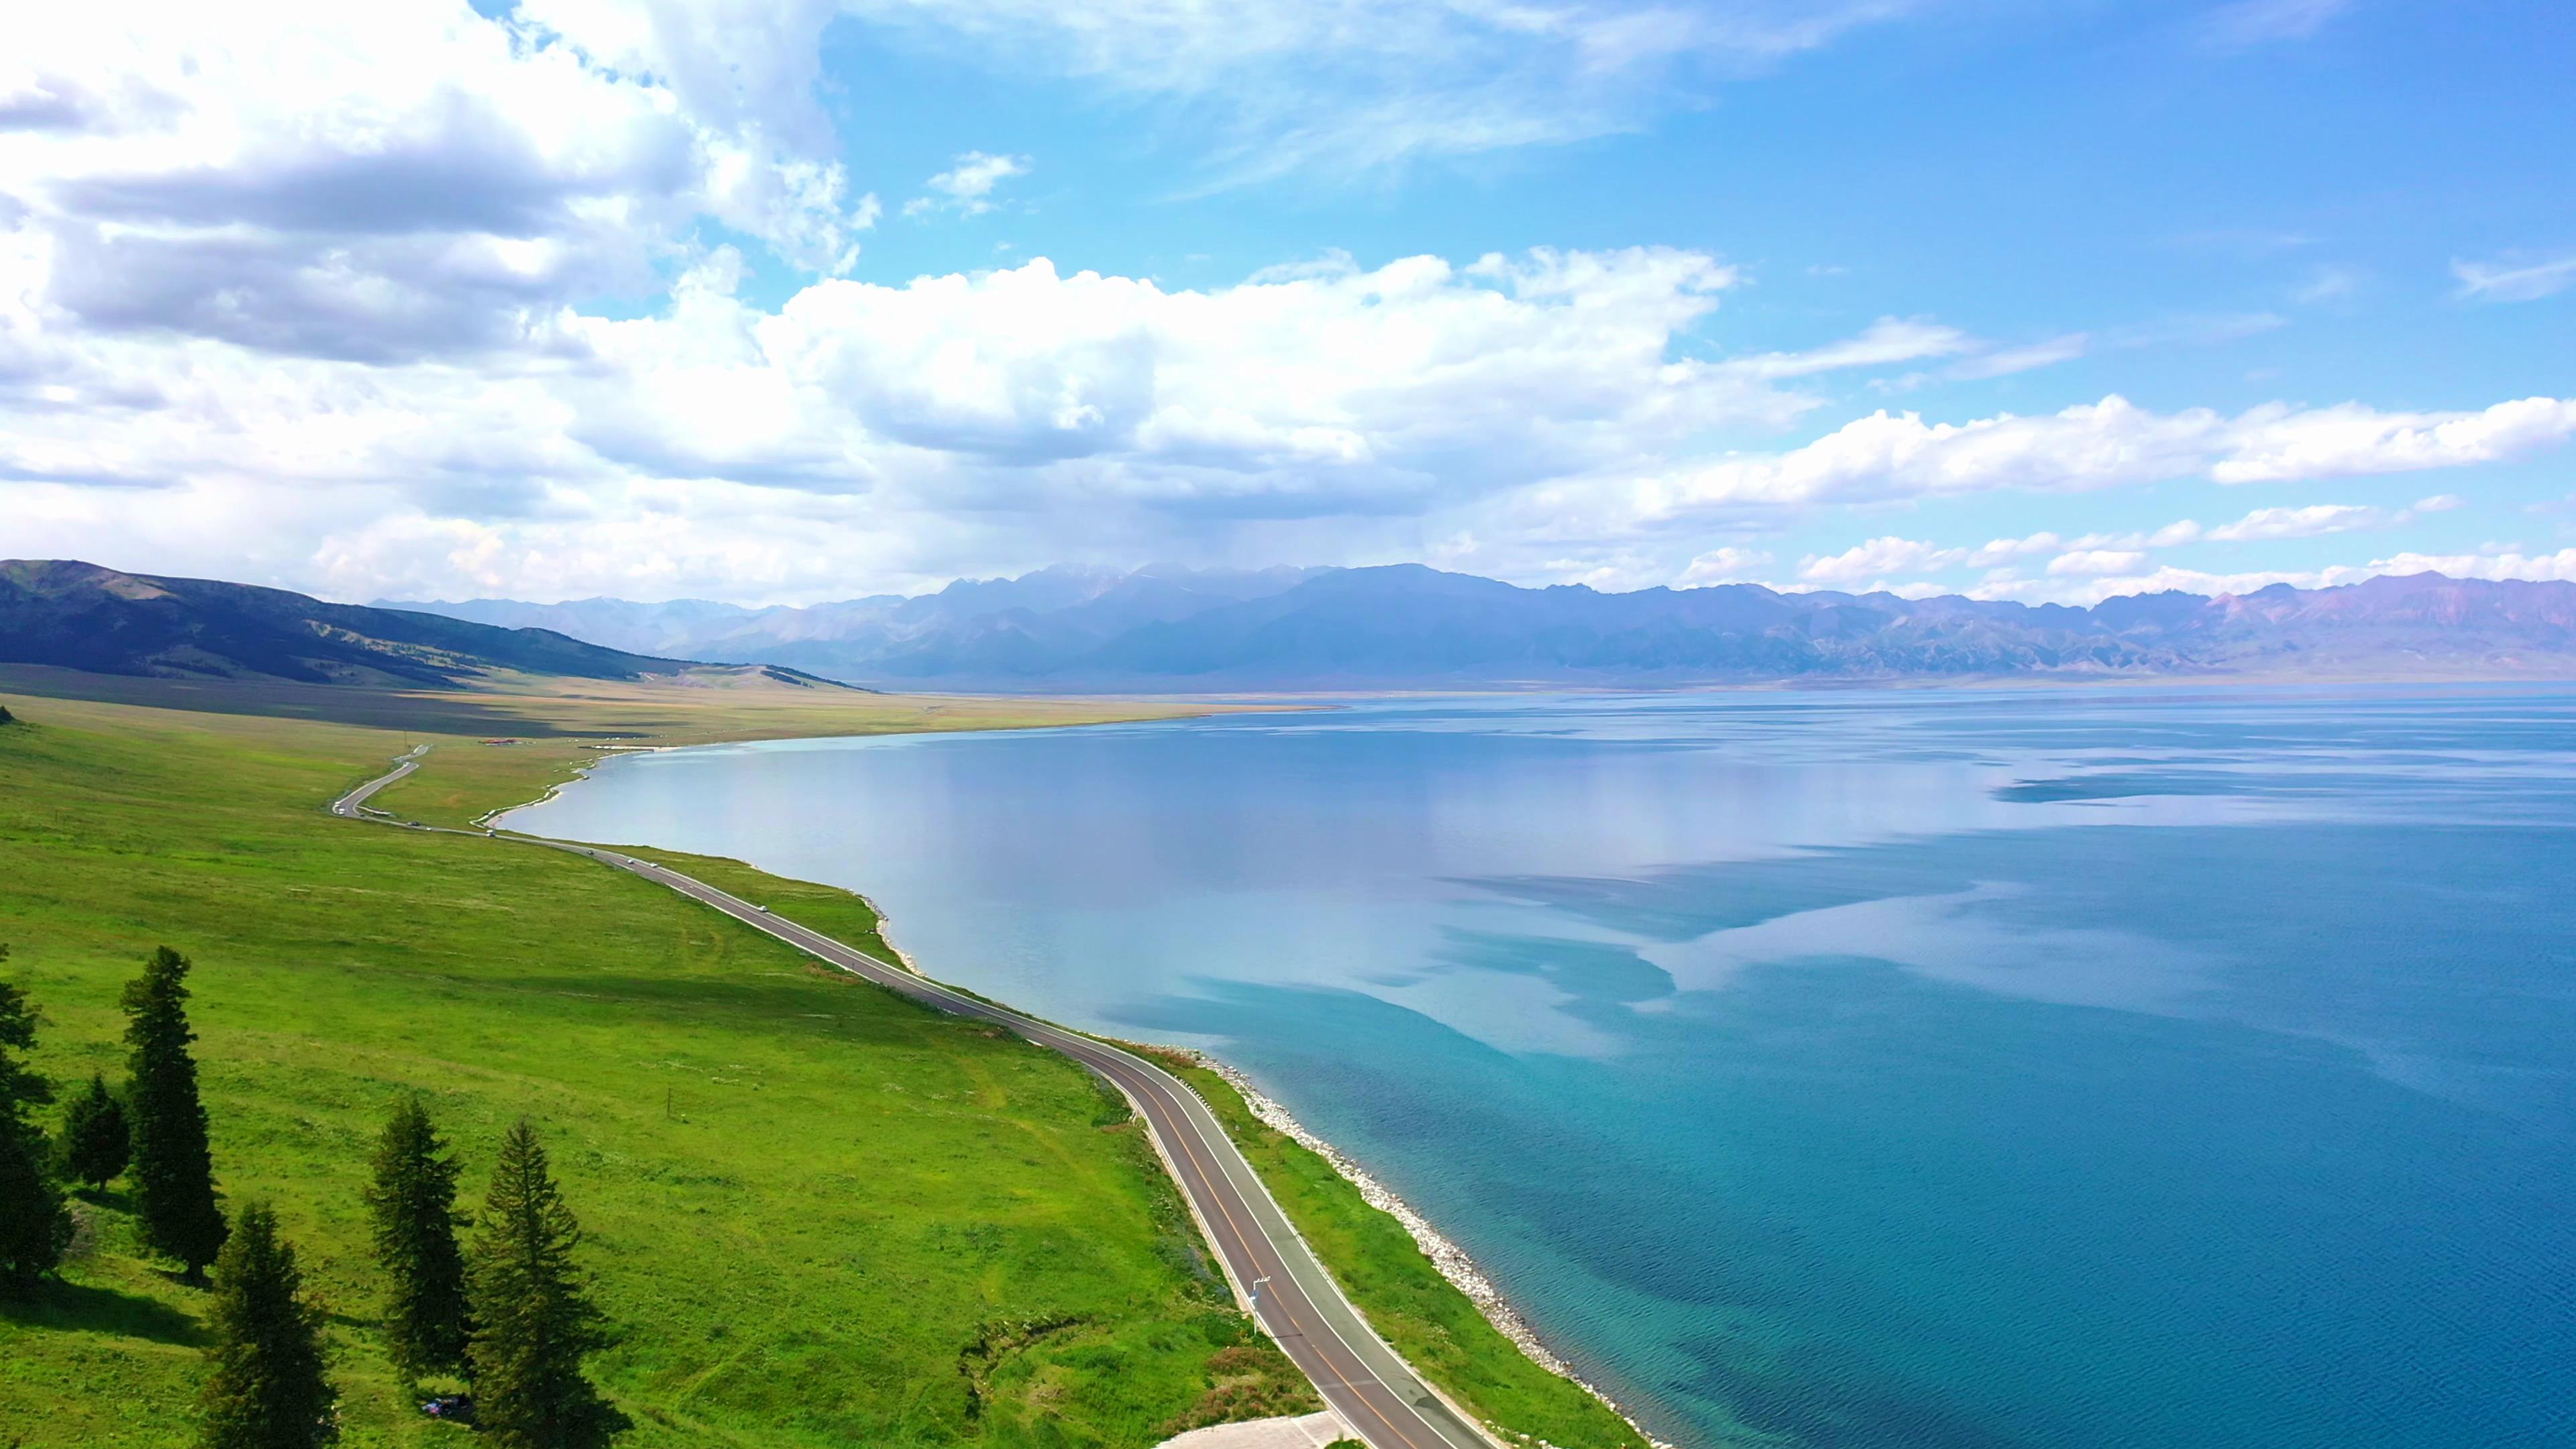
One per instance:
(1454,1262)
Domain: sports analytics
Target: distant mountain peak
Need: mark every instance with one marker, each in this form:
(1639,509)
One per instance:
(1408,625)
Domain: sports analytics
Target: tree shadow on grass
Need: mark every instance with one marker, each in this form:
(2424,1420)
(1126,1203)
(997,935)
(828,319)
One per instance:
(87,1308)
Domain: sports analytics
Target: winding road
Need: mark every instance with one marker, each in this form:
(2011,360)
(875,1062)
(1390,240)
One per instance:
(1270,1266)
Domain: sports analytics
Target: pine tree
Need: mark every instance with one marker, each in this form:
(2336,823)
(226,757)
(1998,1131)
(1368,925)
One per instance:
(33,1226)
(19,1087)
(413,1200)
(265,1385)
(174,1170)
(95,1144)
(533,1321)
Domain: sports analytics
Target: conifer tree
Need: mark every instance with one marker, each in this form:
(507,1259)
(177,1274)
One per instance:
(33,1226)
(174,1170)
(533,1319)
(95,1144)
(413,1202)
(265,1384)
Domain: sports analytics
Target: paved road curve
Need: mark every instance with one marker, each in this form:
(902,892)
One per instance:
(1297,1301)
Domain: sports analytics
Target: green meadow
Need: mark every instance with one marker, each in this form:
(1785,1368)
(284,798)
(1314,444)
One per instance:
(817,1214)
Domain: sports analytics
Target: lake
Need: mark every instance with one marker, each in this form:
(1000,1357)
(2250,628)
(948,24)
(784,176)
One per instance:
(2125,1067)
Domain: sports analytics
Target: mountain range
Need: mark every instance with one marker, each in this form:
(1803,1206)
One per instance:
(75,615)
(1408,626)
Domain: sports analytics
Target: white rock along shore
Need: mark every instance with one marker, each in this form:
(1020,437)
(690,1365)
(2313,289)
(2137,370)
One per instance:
(1448,1257)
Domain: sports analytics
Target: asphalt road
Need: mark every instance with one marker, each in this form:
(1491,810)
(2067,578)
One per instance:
(1271,1267)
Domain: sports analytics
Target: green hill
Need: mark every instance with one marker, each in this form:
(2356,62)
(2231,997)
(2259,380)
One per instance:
(819,1214)
(80,616)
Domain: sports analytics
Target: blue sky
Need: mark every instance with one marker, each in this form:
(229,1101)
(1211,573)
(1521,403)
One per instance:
(802,300)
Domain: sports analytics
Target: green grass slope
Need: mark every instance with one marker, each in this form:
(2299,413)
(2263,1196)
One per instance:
(818,1214)
(1422,1314)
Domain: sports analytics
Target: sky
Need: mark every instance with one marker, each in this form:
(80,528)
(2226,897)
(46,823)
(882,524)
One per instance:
(781,301)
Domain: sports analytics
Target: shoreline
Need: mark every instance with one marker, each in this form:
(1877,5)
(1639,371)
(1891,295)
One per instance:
(1453,1262)
(489,820)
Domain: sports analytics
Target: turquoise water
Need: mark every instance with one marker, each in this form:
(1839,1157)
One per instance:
(2140,1068)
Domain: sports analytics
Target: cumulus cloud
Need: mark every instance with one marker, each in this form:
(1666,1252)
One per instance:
(1728,565)
(2098,445)
(1877,559)
(931,417)
(2278,444)
(2095,561)
(379,182)
(309,294)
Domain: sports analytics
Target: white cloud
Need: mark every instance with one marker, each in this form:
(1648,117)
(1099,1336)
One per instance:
(375,182)
(294,291)
(2002,549)
(2098,445)
(1360,85)
(967,187)
(2331,282)
(2253,22)
(2505,564)
(2514,281)
(2278,444)
(2308,522)
(860,431)
(1729,565)
(2087,590)
(1885,341)
(2092,561)
(2005,361)
(1876,559)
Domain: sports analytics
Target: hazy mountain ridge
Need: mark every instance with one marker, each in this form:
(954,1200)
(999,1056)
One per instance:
(1407,625)
(77,615)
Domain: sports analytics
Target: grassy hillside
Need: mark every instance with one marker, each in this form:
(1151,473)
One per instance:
(1436,1327)
(818,1214)
(68,613)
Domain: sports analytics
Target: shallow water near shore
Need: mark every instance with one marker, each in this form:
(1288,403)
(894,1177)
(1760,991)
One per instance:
(1921,1069)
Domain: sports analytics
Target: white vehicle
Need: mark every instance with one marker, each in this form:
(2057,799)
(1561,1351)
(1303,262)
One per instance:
(764,910)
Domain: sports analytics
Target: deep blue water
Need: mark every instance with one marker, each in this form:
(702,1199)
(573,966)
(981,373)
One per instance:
(1935,1070)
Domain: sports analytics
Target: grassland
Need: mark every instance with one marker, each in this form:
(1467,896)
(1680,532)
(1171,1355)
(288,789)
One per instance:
(697,709)
(818,1213)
